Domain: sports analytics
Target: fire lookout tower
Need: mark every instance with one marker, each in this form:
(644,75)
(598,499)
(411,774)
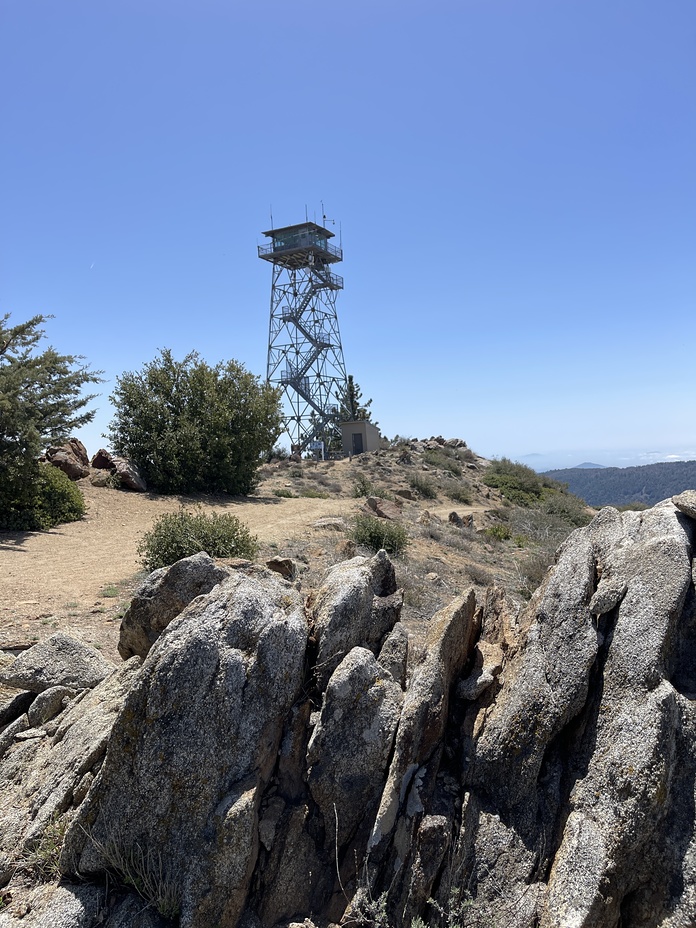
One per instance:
(305,355)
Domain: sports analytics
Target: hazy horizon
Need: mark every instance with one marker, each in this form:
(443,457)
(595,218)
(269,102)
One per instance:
(560,460)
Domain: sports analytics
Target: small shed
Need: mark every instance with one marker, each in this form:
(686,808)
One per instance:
(359,435)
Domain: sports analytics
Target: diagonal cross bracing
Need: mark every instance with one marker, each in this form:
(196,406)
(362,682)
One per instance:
(305,355)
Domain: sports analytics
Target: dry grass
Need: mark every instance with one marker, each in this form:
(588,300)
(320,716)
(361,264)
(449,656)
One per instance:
(83,563)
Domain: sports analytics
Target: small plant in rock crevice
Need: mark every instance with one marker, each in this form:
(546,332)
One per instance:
(142,870)
(367,912)
(42,860)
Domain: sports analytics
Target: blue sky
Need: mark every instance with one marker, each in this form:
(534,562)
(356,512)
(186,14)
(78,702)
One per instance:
(515,182)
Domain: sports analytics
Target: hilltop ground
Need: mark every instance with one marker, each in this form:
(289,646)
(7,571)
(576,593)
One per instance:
(79,577)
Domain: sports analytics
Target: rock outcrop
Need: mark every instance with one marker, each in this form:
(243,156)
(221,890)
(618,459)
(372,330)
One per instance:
(161,597)
(57,661)
(358,605)
(45,777)
(269,762)
(383,508)
(194,748)
(103,460)
(129,475)
(70,457)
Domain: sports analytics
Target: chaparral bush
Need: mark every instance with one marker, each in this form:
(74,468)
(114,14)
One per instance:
(180,534)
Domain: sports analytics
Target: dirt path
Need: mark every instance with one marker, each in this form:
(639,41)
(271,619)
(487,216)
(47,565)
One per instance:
(78,576)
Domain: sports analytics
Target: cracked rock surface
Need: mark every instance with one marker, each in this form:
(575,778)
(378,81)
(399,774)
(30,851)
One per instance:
(269,765)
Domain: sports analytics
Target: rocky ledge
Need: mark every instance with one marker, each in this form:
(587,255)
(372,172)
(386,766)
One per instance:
(262,759)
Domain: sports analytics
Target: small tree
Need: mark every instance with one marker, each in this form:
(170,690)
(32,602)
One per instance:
(191,427)
(350,409)
(41,401)
(351,406)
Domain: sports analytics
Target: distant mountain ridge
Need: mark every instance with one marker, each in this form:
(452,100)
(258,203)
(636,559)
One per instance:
(618,486)
(587,465)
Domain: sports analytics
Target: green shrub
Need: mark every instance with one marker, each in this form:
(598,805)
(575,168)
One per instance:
(423,487)
(498,532)
(524,487)
(518,483)
(379,533)
(41,402)
(278,453)
(113,481)
(180,534)
(362,486)
(466,455)
(284,494)
(569,508)
(460,495)
(190,427)
(311,493)
(49,498)
(443,460)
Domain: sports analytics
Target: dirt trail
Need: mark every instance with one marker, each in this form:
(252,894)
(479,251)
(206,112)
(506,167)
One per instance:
(58,579)
(80,577)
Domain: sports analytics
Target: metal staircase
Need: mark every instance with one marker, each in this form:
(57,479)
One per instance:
(305,355)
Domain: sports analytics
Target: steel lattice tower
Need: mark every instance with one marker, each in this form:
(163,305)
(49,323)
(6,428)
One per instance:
(305,355)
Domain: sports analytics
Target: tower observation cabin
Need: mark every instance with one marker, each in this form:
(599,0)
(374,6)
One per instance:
(305,355)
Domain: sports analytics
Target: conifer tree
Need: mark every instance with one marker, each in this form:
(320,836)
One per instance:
(352,407)
(41,402)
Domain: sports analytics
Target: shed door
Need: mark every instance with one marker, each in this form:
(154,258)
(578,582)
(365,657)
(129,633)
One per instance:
(357,443)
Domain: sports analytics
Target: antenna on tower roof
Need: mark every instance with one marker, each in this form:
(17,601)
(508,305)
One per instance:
(271,208)
(323,216)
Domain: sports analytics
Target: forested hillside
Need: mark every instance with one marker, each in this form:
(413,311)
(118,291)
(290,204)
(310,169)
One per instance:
(618,486)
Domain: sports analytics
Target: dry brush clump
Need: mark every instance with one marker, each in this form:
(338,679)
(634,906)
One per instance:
(511,542)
